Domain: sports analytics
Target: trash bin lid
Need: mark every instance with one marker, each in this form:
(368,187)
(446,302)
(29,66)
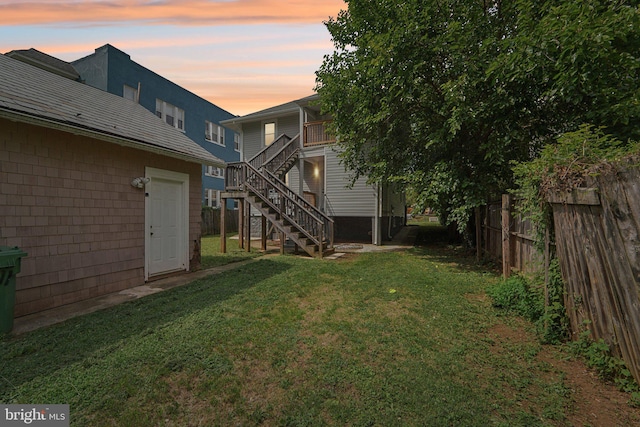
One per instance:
(9,256)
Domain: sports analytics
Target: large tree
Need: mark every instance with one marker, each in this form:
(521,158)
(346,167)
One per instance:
(444,94)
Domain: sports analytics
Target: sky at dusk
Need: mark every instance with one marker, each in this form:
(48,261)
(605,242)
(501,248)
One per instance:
(242,55)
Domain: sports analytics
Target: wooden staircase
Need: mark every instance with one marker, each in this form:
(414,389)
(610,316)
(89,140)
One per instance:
(260,182)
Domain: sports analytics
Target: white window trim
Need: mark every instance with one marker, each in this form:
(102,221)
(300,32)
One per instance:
(275,130)
(236,142)
(208,132)
(132,91)
(175,113)
(209,171)
(209,192)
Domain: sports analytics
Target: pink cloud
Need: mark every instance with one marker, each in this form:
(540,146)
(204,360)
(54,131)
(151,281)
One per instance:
(188,12)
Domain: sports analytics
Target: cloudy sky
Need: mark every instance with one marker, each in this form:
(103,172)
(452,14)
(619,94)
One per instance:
(243,55)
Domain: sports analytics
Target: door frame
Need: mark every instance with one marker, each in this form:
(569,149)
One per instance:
(183,249)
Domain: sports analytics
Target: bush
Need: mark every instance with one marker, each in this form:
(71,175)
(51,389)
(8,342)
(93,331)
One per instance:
(516,295)
(525,297)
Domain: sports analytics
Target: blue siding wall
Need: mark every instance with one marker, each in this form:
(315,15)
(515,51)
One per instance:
(121,70)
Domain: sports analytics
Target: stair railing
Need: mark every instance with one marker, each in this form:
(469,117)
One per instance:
(234,176)
(259,175)
(280,159)
(269,151)
(288,207)
(327,222)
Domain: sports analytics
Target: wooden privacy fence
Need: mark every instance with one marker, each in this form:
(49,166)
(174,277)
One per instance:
(598,246)
(505,237)
(597,242)
(211,221)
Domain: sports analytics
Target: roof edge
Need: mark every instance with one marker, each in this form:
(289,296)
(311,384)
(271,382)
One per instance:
(114,139)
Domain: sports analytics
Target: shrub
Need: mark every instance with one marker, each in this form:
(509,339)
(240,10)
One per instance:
(516,295)
(525,297)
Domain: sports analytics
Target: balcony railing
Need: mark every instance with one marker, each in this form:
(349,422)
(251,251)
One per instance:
(315,133)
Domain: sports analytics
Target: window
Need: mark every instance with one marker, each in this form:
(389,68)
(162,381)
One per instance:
(269,133)
(214,171)
(211,198)
(171,114)
(236,204)
(213,133)
(236,142)
(130,93)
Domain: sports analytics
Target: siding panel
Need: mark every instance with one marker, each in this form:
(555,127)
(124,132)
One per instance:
(289,125)
(356,201)
(252,138)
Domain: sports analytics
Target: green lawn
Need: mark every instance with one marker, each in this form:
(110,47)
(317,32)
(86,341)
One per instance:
(386,339)
(212,257)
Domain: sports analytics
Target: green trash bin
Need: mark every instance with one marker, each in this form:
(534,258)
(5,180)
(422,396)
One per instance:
(9,266)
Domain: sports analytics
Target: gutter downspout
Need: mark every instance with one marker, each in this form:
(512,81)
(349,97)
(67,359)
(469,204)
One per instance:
(377,232)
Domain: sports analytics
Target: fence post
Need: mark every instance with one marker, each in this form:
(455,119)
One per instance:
(247,226)
(282,237)
(241,224)
(264,233)
(506,235)
(478,235)
(223,228)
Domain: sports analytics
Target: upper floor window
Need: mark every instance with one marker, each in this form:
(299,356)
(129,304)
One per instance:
(236,142)
(130,93)
(171,114)
(213,133)
(269,133)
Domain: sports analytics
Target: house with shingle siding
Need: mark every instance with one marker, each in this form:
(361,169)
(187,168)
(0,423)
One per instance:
(99,192)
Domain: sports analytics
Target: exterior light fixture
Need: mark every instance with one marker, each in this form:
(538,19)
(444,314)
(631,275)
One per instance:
(140,182)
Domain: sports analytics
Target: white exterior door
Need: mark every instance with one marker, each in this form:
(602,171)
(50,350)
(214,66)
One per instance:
(167,222)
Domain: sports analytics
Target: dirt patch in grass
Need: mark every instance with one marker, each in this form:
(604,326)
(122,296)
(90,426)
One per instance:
(593,402)
(183,395)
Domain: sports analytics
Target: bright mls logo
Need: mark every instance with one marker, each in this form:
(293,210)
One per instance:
(34,415)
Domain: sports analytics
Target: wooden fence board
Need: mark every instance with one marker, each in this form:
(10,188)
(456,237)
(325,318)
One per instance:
(620,239)
(211,221)
(597,248)
(520,250)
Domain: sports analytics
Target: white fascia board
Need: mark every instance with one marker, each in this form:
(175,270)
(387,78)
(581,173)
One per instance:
(238,121)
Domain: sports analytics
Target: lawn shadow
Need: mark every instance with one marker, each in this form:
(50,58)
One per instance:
(440,245)
(44,351)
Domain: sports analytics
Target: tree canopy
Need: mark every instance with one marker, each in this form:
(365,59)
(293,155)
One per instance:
(445,94)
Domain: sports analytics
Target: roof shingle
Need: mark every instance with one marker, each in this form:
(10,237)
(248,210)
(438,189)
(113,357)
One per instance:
(54,101)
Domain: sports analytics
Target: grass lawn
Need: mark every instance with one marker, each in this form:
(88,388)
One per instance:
(212,257)
(386,339)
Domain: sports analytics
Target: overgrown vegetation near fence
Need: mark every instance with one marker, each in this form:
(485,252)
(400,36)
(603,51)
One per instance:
(211,221)
(507,237)
(582,193)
